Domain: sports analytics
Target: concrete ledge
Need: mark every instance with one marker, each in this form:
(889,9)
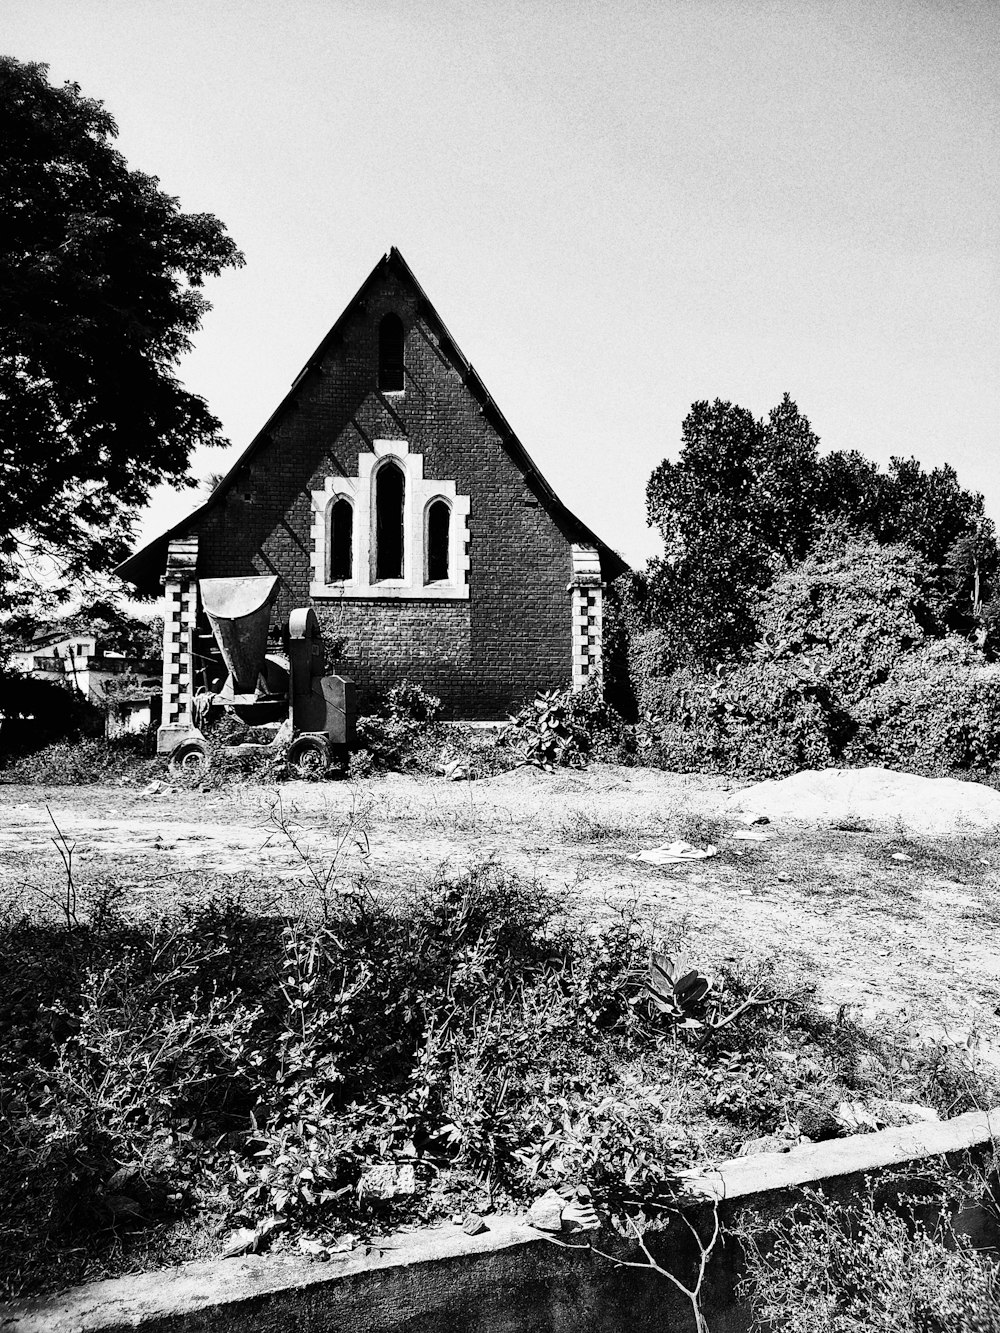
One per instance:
(767,1173)
(508,1280)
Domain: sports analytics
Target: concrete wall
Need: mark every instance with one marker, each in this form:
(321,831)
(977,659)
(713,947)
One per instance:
(511,1279)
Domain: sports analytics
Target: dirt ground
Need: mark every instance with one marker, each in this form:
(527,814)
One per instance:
(916,938)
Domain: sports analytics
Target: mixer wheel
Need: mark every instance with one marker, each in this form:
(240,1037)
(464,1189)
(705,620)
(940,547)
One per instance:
(189,760)
(309,756)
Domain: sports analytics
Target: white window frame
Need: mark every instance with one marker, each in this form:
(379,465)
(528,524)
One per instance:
(418,495)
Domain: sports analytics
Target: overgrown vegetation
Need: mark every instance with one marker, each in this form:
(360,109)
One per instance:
(809,611)
(170,1082)
(863,1268)
(850,668)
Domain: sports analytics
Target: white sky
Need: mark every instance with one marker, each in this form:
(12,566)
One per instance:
(616,208)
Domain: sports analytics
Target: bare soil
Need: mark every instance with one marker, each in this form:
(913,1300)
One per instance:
(914,938)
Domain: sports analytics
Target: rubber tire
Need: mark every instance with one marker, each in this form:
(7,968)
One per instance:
(309,756)
(190,760)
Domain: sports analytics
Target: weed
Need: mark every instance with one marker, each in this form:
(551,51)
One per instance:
(544,734)
(867,1268)
(469,1036)
(82,762)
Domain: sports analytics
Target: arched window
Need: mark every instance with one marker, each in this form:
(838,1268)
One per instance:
(340,543)
(390,489)
(438,542)
(390,354)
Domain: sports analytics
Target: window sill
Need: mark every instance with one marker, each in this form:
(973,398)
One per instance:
(387,592)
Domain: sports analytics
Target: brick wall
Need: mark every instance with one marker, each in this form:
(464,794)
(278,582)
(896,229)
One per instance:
(514,634)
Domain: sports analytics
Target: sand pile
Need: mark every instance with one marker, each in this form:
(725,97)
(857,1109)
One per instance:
(875,798)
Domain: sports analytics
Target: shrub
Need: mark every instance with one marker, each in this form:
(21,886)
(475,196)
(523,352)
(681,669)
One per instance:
(408,702)
(566,728)
(83,761)
(544,732)
(938,712)
(860,1269)
(35,712)
(401,736)
(847,671)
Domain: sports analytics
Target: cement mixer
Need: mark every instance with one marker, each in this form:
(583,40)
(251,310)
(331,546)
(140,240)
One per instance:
(310,715)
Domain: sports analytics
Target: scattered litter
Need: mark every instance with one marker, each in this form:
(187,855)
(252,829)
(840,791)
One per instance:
(317,1248)
(751,835)
(854,1118)
(453,771)
(153,789)
(673,852)
(901,856)
(752,819)
(387,1181)
(242,1241)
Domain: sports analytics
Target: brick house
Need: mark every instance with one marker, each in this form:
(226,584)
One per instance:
(389,493)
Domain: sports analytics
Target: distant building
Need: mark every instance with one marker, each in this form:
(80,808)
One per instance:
(76,658)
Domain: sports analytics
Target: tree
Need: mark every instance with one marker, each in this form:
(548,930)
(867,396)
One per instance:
(747,499)
(100,277)
(117,631)
(928,511)
(738,481)
(735,508)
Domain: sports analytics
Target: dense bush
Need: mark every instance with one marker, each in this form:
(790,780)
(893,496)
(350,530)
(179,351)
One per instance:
(83,761)
(847,613)
(34,713)
(401,735)
(865,1268)
(937,712)
(850,668)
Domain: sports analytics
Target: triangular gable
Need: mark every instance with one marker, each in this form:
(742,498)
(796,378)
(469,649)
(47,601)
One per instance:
(144,567)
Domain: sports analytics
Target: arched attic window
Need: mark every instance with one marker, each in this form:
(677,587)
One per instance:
(437,542)
(340,542)
(390,490)
(390,354)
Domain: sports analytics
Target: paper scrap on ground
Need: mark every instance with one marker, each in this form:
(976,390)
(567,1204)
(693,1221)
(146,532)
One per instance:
(673,852)
(751,835)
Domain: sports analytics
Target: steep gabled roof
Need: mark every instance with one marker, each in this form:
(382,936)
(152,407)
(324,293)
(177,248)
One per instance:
(144,567)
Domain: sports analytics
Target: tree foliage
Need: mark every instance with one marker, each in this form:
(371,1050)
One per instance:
(749,498)
(100,277)
(736,507)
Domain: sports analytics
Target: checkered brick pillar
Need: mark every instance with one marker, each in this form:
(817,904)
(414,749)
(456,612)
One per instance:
(179,618)
(587,592)
(587,609)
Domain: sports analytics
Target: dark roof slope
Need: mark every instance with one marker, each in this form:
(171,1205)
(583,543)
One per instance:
(144,567)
